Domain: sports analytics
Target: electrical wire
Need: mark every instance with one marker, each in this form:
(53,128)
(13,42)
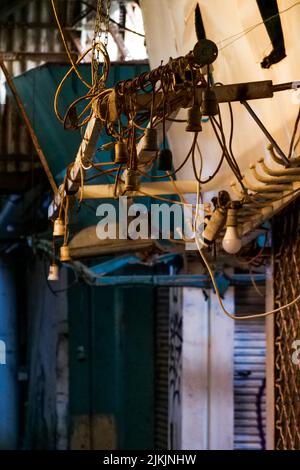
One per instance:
(241,34)
(228,314)
(66,45)
(121,27)
(291,149)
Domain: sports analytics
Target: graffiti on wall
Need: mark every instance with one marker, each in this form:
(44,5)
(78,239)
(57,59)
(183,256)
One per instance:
(175,367)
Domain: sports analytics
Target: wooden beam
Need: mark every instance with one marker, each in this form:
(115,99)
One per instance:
(56,57)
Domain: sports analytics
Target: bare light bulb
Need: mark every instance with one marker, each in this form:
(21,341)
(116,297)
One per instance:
(231,242)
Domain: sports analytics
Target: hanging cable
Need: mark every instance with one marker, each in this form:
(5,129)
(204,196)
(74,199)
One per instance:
(228,314)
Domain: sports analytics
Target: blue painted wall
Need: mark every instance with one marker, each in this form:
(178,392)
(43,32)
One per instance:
(8,371)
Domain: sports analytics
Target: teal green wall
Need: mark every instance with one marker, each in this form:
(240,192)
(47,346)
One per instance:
(116,328)
(37,89)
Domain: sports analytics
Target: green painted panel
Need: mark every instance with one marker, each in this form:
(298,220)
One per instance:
(137,368)
(37,88)
(79,344)
(115,326)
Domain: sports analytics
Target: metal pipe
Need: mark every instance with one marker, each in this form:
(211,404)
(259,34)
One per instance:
(266,132)
(180,280)
(282,86)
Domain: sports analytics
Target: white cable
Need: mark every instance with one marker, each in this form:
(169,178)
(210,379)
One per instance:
(230,315)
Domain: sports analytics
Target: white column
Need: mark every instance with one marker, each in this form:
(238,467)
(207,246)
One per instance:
(221,362)
(195,370)
(207,371)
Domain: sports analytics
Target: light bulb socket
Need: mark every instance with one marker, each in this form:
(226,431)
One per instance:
(65,253)
(165,160)
(121,153)
(194,119)
(215,225)
(132,180)
(150,140)
(231,218)
(209,103)
(58,228)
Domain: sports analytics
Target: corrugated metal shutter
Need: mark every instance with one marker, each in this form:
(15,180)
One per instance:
(161,367)
(249,372)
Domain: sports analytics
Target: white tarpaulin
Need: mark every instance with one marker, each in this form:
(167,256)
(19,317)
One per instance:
(237,28)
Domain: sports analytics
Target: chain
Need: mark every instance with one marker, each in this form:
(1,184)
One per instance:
(101,19)
(108,2)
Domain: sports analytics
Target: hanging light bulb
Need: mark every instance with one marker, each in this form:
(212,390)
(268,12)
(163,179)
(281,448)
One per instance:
(231,242)
(53,273)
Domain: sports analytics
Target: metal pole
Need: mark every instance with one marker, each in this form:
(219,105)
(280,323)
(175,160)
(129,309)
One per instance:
(267,134)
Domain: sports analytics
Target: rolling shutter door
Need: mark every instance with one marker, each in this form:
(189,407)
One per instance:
(161,367)
(249,372)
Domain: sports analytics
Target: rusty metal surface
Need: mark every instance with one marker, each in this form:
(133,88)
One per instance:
(28,38)
(287,328)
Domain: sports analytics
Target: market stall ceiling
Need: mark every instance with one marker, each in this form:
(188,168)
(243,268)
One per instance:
(242,47)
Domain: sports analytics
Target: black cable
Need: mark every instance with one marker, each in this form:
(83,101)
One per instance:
(259,414)
(226,153)
(294,134)
(230,153)
(230,158)
(173,173)
(210,178)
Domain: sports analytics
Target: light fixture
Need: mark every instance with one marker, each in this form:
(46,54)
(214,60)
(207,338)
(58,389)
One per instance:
(194,119)
(209,103)
(231,242)
(132,180)
(214,225)
(150,140)
(165,159)
(58,228)
(65,253)
(53,273)
(121,153)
